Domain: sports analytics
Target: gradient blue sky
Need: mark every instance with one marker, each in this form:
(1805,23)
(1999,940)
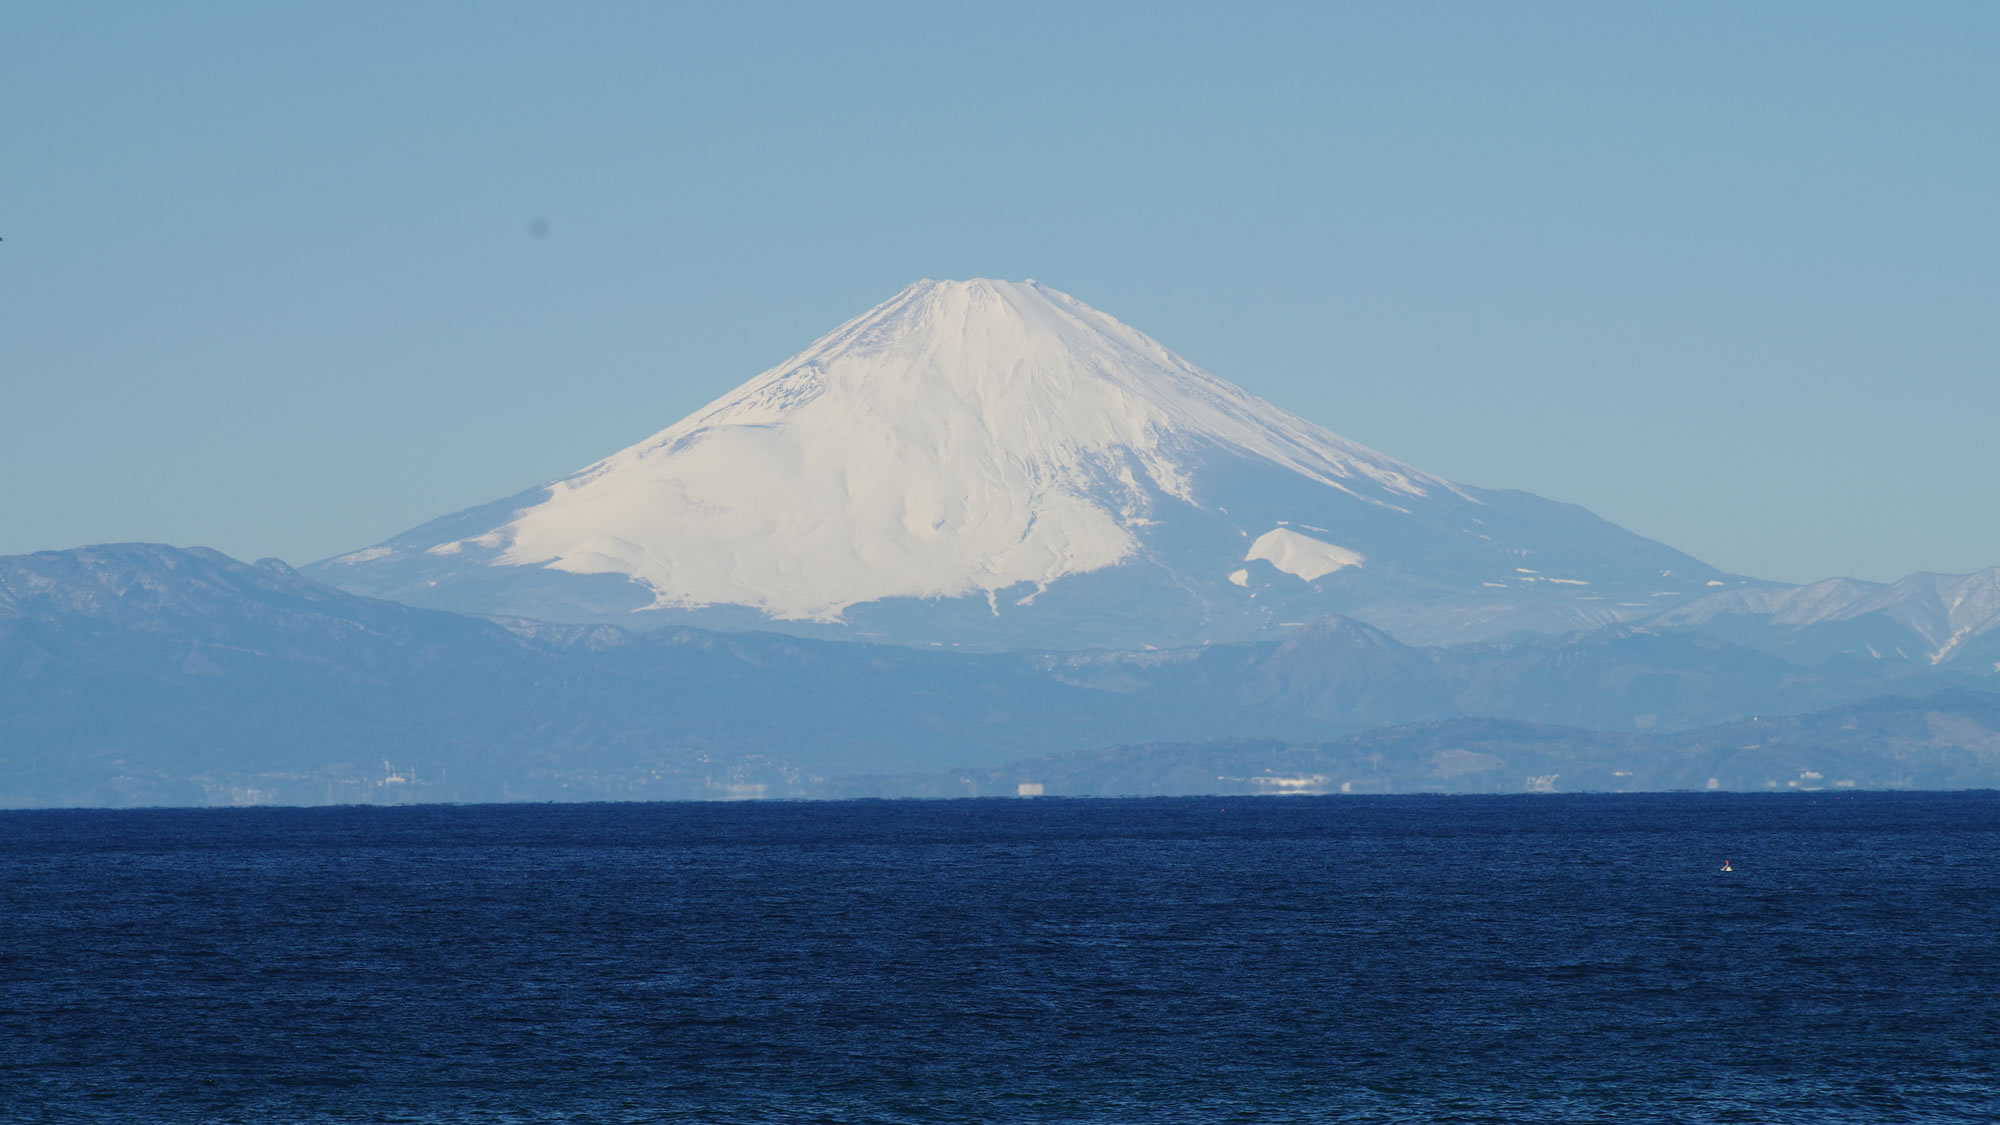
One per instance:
(1728,274)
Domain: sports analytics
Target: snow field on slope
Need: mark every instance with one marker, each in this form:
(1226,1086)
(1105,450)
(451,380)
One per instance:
(961,437)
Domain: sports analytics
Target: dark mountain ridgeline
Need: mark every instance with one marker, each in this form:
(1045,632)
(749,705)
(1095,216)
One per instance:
(1950,740)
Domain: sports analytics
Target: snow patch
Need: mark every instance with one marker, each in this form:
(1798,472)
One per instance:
(1944,651)
(1301,555)
(369,554)
(1239,577)
(451,548)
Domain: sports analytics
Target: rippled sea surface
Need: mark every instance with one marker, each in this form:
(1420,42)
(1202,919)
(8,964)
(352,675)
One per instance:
(1420,959)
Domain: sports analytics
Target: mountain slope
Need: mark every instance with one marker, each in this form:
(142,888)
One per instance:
(1924,618)
(997,464)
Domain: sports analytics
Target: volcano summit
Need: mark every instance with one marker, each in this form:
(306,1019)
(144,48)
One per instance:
(997,464)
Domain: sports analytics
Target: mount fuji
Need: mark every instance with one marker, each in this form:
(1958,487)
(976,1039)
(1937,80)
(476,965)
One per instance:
(997,464)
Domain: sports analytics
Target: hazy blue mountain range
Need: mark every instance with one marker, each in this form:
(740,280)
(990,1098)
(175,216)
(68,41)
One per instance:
(1946,619)
(144,674)
(1950,740)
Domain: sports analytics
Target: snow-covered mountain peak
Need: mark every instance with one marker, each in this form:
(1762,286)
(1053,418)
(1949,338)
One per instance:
(934,467)
(1038,372)
(962,436)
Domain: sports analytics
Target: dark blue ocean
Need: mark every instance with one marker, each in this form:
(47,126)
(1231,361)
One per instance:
(1409,959)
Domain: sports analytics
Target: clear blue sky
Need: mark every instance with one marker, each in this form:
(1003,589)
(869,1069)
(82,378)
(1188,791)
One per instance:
(1728,274)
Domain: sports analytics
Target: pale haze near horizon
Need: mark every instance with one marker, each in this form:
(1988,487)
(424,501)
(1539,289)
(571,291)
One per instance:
(286,283)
